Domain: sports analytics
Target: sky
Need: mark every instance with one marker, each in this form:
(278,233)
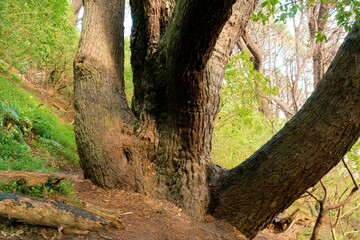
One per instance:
(127,21)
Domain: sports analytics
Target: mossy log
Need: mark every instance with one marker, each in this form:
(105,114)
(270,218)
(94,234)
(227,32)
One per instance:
(31,179)
(42,212)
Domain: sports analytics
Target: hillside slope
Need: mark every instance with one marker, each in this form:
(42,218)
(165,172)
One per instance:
(32,137)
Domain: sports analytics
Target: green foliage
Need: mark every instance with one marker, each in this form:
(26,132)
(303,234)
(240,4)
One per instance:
(35,32)
(353,157)
(128,75)
(320,37)
(37,38)
(241,128)
(15,78)
(31,136)
(41,190)
(33,191)
(16,154)
(347,11)
(3,67)
(65,188)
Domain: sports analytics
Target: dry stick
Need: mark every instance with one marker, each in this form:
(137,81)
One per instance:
(323,210)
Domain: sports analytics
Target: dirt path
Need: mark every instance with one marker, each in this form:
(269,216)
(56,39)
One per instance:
(142,218)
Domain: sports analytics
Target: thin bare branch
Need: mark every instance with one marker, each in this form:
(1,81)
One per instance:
(324,189)
(313,196)
(345,201)
(350,173)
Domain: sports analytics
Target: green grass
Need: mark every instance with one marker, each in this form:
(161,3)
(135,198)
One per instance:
(64,188)
(31,136)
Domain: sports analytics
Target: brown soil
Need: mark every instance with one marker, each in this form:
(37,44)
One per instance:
(142,218)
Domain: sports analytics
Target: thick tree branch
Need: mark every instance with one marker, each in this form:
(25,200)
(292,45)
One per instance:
(203,21)
(255,52)
(150,20)
(316,139)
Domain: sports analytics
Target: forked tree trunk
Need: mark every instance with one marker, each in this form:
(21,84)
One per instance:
(162,145)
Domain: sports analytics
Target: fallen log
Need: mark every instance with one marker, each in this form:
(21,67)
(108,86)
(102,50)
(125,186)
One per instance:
(37,211)
(31,178)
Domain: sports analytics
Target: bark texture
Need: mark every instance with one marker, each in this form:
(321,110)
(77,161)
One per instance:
(296,158)
(192,94)
(177,90)
(101,109)
(161,146)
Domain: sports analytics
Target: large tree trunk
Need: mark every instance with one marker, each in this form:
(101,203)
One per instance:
(114,149)
(161,146)
(297,157)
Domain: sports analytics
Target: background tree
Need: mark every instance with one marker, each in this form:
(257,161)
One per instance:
(161,146)
(76,5)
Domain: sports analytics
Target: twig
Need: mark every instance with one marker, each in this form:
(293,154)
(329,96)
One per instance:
(313,196)
(350,173)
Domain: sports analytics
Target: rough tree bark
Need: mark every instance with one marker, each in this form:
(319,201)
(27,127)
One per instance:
(100,105)
(161,146)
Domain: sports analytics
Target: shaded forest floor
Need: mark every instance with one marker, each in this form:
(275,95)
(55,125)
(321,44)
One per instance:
(142,218)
